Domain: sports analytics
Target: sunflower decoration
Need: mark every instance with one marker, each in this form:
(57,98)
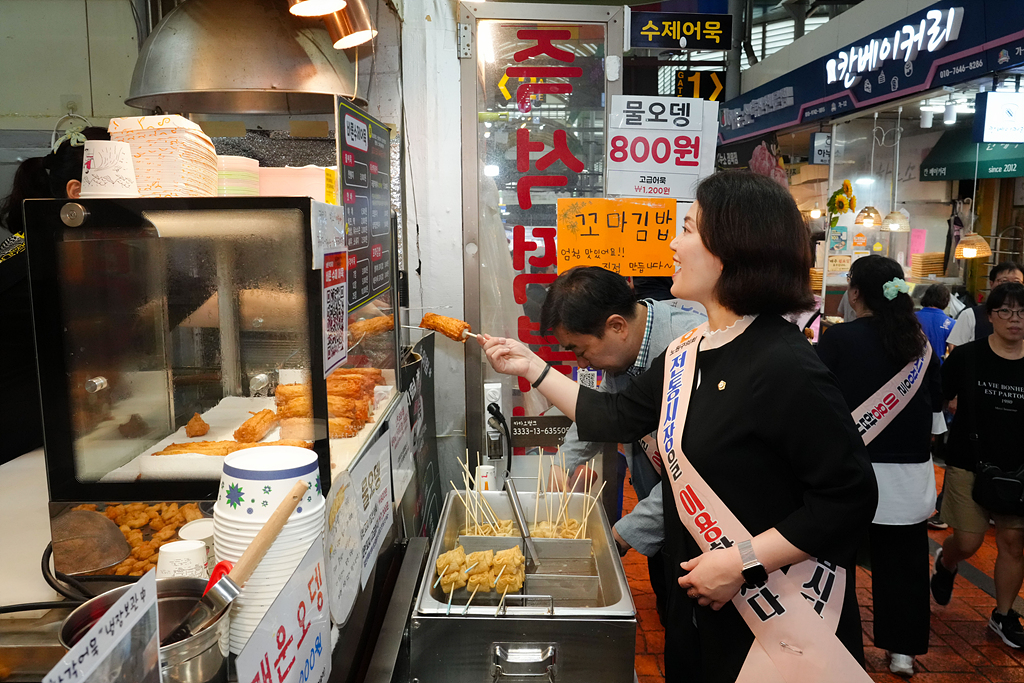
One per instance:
(841,201)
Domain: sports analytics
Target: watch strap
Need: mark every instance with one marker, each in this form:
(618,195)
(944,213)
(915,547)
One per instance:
(747,556)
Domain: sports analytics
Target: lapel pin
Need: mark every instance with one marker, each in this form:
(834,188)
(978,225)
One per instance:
(721,385)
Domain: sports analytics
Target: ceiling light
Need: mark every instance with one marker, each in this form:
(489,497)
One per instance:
(351,26)
(949,115)
(971,246)
(926,118)
(490,170)
(315,8)
(815,212)
(895,221)
(864,180)
(868,217)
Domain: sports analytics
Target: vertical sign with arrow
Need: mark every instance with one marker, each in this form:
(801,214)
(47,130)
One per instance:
(700,85)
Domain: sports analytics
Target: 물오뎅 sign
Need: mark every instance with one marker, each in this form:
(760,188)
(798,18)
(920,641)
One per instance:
(626,236)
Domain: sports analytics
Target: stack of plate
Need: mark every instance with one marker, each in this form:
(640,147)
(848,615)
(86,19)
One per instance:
(252,485)
(931,263)
(238,177)
(172,155)
(816,275)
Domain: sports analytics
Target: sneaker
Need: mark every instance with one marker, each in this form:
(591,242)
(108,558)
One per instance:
(942,581)
(901,665)
(935,522)
(1008,627)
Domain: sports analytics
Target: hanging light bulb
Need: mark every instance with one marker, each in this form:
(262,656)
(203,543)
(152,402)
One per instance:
(895,221)
(971,246)
(815,212)
(315,8)
(868,217)
(351,26)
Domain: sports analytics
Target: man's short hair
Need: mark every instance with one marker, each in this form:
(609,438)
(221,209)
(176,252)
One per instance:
(581,300)
(1006,293)
(1002,268)
(936,296)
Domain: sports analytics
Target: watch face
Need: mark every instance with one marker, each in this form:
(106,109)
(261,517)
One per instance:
(755,577)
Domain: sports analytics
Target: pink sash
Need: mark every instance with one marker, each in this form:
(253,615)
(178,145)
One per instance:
(875,414)
(795,614)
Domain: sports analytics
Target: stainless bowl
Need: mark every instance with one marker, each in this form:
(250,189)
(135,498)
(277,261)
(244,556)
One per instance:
(201,658)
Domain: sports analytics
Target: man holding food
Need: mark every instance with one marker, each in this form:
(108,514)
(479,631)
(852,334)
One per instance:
(594,313)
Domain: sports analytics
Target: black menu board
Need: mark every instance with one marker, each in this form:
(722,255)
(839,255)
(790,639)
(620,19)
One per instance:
(364,169)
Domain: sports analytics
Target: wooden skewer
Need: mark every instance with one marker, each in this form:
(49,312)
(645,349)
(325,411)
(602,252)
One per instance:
(498,576)
(536,502)
(501,602)
(451,595)
(440,576)
(589,509)
(466,608)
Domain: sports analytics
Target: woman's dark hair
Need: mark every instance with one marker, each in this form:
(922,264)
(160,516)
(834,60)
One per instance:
(1002,268)
(936,296)
(901,333)
(46,177)
(1008,292)
(580,300)
(753,226)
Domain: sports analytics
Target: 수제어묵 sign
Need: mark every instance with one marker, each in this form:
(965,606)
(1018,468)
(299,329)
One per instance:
(627,236)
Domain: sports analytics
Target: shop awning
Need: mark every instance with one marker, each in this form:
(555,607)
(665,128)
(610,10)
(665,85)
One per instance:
(953,158)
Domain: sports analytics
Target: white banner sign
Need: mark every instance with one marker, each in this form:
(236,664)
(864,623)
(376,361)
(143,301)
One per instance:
(292,643)
(371,478)
(121,646)
(400,429)
(660,146)
(344,548)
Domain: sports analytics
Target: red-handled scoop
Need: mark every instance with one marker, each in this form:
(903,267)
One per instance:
(224,588)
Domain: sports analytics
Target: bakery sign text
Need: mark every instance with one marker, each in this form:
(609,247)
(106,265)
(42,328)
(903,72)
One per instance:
(938,28)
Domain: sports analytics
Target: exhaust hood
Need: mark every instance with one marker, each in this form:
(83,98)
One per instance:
(239,57)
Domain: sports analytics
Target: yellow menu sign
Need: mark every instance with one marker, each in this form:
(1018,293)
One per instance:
(626,236)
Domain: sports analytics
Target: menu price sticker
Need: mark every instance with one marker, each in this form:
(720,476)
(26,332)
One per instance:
(371,476)
(122,645)
(292,643)
(335,310)
(343,548)
(400,429)
(660,146)
(627,236)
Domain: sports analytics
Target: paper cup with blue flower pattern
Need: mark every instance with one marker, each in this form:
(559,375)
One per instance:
(255,480)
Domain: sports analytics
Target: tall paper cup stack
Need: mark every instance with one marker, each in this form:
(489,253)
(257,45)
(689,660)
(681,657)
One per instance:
(107,170)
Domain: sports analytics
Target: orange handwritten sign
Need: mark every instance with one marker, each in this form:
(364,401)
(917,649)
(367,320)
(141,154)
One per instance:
(627,236)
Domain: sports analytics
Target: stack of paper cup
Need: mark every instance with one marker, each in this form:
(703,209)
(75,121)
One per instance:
(107,170)
(253,483)
(238,177)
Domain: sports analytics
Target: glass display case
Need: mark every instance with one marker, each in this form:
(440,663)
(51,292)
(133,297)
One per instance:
(171,332)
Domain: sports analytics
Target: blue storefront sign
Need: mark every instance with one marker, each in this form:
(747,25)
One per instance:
(949,42)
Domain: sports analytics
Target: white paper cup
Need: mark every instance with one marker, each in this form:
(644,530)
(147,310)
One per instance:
(199,530)
(182,558)
(107,170)
(485,478)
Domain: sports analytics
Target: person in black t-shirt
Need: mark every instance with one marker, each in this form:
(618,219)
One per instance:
(984,382)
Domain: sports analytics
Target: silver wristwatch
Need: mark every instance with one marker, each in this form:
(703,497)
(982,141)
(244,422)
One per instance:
(754,573)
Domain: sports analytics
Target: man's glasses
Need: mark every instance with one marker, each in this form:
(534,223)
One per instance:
(1007,313)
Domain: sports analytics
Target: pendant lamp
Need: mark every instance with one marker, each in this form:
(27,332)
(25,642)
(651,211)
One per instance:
(972,246)
(351,26)
(315,8)
(868,217)
(895,221)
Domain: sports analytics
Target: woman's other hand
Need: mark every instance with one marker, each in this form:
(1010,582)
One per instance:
(510,357)
(714,577)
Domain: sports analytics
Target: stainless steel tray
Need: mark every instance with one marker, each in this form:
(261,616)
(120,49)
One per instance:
(583,577)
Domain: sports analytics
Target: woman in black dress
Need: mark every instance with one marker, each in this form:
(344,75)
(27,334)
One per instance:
(864,355)
(767,427)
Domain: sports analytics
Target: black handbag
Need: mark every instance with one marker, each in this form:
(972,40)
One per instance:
(999,491)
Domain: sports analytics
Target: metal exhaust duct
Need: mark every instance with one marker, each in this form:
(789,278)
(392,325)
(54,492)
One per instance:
(239,57)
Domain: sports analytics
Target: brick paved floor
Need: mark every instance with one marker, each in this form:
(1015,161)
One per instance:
(962,648)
